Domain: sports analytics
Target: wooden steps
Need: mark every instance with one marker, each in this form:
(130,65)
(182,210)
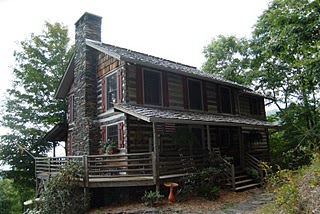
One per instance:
(243,181)
(247,186)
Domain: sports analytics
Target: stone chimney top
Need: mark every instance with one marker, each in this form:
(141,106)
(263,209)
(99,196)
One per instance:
(90,26)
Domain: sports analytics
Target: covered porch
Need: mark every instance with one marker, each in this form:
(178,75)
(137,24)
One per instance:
(152,156)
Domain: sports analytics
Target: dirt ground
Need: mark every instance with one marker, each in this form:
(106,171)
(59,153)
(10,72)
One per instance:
(191,205)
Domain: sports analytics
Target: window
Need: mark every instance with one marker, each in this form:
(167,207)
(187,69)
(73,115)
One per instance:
(254,106)
(112,134)
(195,94)
(225,98)
(111,90)
(152,87)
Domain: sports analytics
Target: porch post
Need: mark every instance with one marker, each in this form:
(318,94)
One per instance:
(86,183)
(155,157)
(209,139)
(241,146)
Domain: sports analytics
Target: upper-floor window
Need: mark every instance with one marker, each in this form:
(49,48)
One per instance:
(225,98)
(254,106)
(152,87)
(195,94)
(111,90)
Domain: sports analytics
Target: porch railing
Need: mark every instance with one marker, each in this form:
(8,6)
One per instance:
(47,166)
(124,167)
(253,163)
(119,165)
(183,161)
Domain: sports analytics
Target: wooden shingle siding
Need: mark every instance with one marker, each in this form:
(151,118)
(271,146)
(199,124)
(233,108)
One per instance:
(107,64)
(211,98)
(175,91)
(131,84)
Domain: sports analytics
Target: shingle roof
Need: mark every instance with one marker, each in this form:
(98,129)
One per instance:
(152,114)
(152,61)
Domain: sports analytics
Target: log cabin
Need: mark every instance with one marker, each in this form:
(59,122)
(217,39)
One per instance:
(166,118)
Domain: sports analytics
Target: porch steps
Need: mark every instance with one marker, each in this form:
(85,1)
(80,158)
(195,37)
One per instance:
(247,186)
(243,181)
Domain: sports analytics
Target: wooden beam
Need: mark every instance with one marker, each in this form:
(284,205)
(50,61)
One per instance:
(208,139)
(86,171)
(156,156)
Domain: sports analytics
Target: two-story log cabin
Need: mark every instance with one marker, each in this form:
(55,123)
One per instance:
(140,101)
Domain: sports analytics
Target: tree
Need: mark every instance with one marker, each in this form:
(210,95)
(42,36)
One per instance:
(228,57)
(281,61)
(30,108)
(285,44)
(9,197)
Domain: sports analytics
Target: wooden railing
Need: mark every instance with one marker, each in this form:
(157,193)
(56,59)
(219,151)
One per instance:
(228,168)
(253,163)
(119,165)
(127,167)
(99,166)
(47,166)
(175,162)
(229,172)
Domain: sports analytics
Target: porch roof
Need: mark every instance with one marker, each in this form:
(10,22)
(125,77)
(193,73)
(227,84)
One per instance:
(152,114)
(58,133)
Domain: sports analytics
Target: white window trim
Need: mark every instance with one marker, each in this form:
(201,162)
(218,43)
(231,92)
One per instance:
(115,72)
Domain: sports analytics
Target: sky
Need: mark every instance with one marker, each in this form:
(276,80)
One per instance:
(177,30)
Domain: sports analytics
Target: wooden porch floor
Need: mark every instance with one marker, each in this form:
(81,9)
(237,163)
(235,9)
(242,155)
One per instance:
(121,181)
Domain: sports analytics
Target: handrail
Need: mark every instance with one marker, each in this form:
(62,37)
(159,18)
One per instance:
(229,171)
(253,163)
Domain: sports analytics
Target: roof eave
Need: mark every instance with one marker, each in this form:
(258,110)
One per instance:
(66,80)
(152,119)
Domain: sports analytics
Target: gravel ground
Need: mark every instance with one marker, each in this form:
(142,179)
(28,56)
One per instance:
(228,203)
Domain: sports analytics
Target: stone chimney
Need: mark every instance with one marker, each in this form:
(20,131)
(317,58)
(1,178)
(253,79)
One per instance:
(86,132)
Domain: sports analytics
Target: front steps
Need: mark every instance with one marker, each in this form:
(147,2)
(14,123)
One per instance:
(243,181)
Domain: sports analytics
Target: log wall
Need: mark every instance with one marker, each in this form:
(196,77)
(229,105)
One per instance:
(175,89)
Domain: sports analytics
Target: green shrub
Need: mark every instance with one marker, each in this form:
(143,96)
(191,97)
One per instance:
(150,198)
(204,183)
(62,193)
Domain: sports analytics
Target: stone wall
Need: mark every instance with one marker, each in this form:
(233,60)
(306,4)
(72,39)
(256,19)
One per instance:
(86,132)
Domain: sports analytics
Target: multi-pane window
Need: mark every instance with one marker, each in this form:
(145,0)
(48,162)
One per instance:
(225,98)
(111,90)
(112,134)
(195,94)
(152,87)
